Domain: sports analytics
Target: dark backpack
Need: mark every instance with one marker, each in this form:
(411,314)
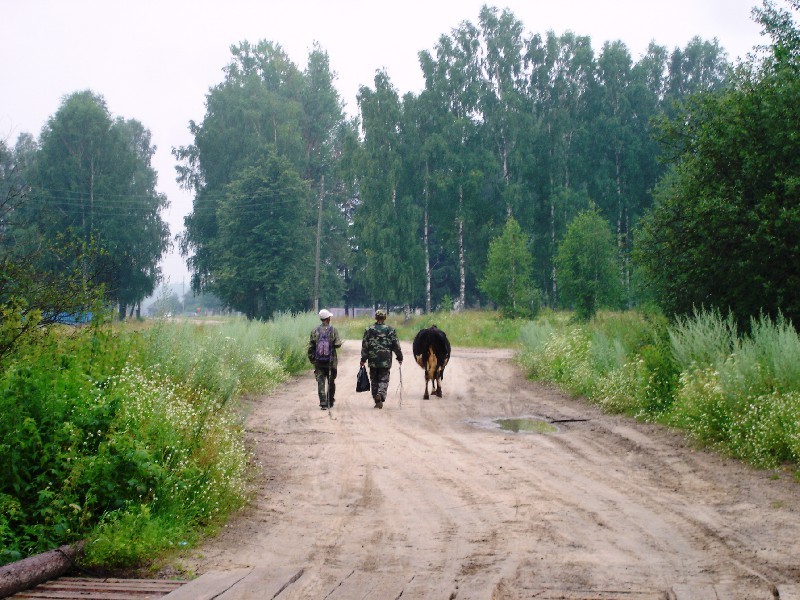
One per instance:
(322,353)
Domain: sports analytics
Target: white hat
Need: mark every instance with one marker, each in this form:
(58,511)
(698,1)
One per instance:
(325,314)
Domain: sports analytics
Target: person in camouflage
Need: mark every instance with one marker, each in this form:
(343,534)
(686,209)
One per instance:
(325,371)
(377,345)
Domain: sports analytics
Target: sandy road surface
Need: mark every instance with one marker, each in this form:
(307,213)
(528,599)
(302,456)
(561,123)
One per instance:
(426,499)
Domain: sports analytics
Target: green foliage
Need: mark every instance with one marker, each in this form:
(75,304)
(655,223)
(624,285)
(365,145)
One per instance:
(587,265)
(507,279)
(270,141)
(33,295)
(126,537)
(387,220)
(740,395)
(705,339)
(726,216)
(91,179)
(129,439)
(260,249)
(412,188)
(473,328)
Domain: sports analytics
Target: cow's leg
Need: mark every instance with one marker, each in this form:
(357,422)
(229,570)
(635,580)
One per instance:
(438,386)
(426,396)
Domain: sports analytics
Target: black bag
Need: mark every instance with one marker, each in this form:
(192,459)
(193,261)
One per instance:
(362,381)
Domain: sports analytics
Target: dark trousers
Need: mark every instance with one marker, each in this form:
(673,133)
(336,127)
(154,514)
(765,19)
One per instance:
(379,378)
(326,379)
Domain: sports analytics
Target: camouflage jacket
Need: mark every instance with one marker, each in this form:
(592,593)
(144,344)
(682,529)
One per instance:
(336,342)
(377,345)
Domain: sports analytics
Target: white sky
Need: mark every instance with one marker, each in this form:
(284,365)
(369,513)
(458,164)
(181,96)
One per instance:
(155,60)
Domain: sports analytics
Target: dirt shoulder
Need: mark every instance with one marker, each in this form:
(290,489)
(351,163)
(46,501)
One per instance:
(429,499)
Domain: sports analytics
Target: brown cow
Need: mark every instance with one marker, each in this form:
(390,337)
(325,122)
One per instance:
(432,352)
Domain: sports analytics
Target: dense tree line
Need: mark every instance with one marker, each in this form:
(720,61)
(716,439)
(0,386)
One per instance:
(724,231)
(297,205)
(404,202)
(80,225)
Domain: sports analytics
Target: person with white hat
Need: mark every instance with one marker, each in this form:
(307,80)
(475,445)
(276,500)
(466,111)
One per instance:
(322,345)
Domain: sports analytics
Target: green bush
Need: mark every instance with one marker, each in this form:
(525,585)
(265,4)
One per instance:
(737,393)
(744,402)
(130,434)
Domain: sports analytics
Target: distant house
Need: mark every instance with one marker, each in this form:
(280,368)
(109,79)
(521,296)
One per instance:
(354,312)
(65,318)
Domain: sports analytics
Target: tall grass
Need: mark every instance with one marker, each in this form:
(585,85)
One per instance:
(738,393)
(471,328)
(742,394)
(229,358)
(129,438)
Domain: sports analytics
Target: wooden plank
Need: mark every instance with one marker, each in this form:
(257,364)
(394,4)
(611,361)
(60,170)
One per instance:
(263,583)
(113,580)
(70,588)
(369,586)
(87,594)
(696,591)
(732,592)
(702,591)
(209,585)
(136,585)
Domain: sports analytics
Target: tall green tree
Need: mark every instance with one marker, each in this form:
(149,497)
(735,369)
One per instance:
(94,184)
(257,246)
(387,220)
(723,233)
(257,105)
(587,262)
(458,162)
(619,135)
(502,90)
(33,294)
(561,82)
(507,280)
(700,66)
(267,105)
(144,237)
(323,119)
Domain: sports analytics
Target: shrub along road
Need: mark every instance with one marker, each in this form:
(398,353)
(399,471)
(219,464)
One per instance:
(429,500)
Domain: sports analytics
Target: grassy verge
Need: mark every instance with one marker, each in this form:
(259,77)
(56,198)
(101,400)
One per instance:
(739,394)
(131,438)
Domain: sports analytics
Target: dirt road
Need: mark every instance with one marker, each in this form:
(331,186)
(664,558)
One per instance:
(430,499)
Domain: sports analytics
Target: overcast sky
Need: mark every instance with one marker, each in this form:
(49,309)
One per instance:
(154,60)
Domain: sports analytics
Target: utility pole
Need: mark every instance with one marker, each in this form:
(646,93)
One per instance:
(319,236)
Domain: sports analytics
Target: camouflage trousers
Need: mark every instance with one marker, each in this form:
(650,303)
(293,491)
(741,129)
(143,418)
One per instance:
(323,382)
(379,381)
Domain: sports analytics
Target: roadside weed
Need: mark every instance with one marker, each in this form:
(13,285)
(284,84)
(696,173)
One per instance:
(739,393)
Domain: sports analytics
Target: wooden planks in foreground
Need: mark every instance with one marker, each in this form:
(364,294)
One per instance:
(69,588)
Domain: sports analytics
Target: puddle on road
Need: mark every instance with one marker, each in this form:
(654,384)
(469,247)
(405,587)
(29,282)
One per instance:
(527,424)
(533,425)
